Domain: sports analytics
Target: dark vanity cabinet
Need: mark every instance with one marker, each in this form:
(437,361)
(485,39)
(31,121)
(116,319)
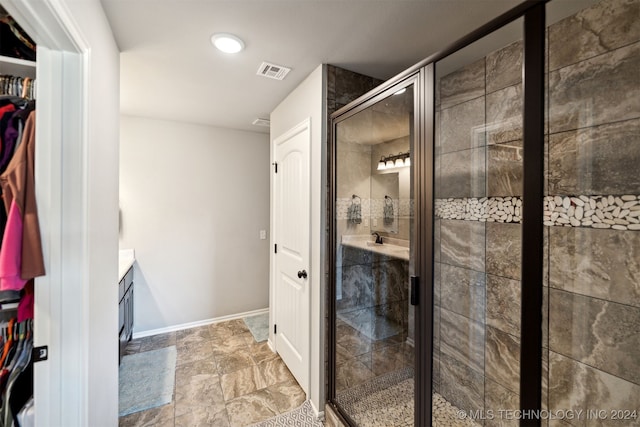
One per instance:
(125,310)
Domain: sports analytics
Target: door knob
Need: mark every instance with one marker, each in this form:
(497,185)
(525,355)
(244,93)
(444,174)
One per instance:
(302,274)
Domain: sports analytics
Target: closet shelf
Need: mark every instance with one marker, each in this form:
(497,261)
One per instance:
(17,67)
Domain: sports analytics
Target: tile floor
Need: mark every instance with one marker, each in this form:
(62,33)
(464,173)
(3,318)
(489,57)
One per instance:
(223,378)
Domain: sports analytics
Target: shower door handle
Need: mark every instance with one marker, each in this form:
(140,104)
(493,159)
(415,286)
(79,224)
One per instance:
(415,290)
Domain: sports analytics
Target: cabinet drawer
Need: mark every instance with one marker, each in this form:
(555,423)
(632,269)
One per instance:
(128,279)
(121,316)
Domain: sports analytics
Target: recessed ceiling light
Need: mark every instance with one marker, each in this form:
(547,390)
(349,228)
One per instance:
(227,43)
(401,91)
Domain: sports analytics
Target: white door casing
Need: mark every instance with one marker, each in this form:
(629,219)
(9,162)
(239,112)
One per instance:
(292,220)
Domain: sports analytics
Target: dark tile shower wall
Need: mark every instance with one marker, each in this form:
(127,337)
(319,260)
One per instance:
(343,86)
(592,234)
(594,265)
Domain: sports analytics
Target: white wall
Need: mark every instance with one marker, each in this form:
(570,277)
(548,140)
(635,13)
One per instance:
(192,202)
(308,100)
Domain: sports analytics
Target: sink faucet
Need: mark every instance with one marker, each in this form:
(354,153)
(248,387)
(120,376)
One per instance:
(378,237)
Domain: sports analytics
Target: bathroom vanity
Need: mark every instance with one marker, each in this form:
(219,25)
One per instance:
(126,259)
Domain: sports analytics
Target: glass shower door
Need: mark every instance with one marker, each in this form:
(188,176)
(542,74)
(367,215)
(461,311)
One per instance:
(374,333)
(477,227)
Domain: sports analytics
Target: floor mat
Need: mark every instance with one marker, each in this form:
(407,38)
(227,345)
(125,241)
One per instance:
(258,325)
(146,380)
(302,416)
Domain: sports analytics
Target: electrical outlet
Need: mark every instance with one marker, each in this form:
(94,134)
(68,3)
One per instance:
(263,234)
(375,222)
(366,222)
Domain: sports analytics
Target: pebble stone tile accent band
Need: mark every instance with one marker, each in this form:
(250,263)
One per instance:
(374,208)
(605,212)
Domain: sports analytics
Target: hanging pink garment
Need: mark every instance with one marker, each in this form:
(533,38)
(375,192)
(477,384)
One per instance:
(11,252)
(26,304)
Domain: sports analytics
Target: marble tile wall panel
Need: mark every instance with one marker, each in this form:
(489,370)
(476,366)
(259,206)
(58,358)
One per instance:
(504,249)
(437,283)
(596,160)
(505,169)
(599,263)
(605,26)
(504,115)
(353,171)
(545,317)
(462,85)
(436,329)
(463,339)
(576,386)
(595,332)
(463,292)
(462,126)
(600,90)
(463,173)
(357,288)
(388,359)
(504,67)
(438,154)
(545,378)
(352,373)
(504,304)
(390,281)
(463,244)
(496,399)
(435,379)
(436,240)
(350,86)
(394,315)
(354,256)
(462,386)
(502,358)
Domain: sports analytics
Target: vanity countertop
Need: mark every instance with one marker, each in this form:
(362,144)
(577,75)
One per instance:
(395,248)
(126,258)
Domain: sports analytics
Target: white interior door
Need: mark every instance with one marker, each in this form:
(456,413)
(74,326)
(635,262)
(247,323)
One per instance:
(292,305)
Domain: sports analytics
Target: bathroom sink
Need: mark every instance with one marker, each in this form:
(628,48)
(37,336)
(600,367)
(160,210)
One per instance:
(373,244)
(399,250)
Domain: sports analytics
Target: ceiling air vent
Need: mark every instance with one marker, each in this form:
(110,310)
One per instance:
(272,71)
(262,122)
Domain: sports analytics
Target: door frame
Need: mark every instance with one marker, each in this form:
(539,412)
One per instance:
(273,342)
(65,384)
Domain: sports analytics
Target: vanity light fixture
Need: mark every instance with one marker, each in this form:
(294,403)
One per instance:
(394,161)
(227,43)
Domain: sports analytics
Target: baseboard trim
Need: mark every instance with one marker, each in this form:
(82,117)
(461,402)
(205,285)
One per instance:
(319,414)
(205,322)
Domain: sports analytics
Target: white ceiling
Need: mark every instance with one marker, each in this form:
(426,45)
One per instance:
(169,69)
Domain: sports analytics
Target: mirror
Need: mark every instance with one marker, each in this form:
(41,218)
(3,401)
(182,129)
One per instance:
(370,199)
